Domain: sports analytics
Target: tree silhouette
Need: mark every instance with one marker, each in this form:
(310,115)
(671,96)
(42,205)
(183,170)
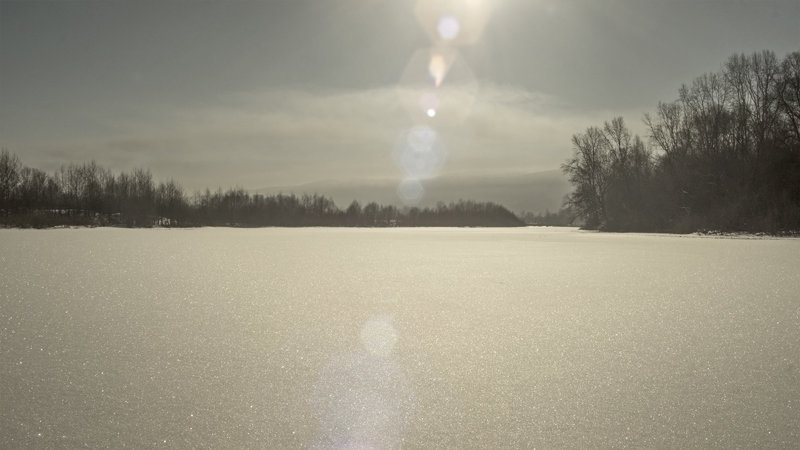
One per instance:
(727,156)
(88,194)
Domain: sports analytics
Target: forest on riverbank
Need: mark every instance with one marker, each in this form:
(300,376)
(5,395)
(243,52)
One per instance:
(725,155)
(90,195)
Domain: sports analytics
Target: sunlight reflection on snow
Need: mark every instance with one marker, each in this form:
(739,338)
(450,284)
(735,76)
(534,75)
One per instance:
(362,399)
(379,336)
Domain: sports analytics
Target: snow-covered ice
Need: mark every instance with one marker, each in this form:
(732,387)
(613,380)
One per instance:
(321,337)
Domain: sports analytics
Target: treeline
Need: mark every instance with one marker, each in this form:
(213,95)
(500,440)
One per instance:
(725,155)
(564,217)
(88,194)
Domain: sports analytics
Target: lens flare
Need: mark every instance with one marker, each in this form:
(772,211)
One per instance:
(419,153)
(410,191)
(451,100)
(448,27)
(421,139)
(429,102)
(454,22)
(437,68)
(449,23)
(419,156)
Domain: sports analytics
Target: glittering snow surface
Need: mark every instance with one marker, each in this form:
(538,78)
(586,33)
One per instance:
(359,338)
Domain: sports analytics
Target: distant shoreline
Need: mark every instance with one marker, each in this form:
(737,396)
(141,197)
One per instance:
(704,234)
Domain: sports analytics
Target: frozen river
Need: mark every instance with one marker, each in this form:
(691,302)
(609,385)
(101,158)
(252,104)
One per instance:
(233,338)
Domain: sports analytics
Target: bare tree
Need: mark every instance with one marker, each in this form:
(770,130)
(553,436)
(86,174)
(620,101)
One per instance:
(9,178)
(789,92)
(588,171)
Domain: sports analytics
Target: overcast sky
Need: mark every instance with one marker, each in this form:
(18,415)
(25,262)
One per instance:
(284,93)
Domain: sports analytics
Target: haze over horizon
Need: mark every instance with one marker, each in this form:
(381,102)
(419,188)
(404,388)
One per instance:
(266,94)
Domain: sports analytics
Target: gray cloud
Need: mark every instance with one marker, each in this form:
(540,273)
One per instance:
(292,137)
(289,93)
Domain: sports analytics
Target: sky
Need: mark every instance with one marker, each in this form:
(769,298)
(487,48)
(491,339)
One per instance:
(388,98)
